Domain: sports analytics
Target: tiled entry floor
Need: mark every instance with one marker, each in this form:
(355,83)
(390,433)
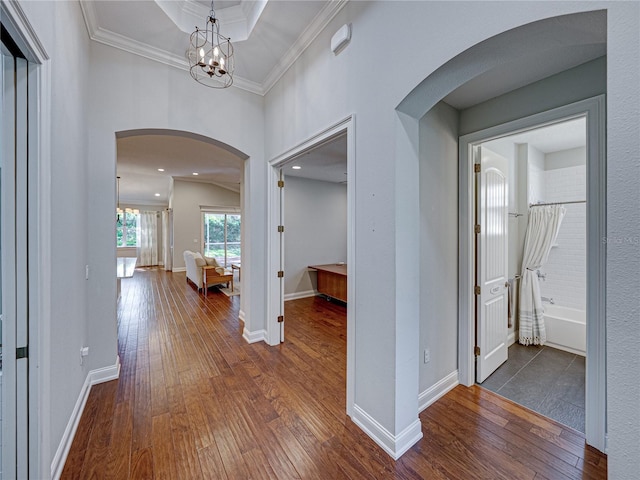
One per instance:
(544,379)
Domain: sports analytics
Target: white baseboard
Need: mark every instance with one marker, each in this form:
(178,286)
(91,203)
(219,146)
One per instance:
(297,295)
(179,269)
(253,337)
(439,389)
(394,445)
(94,377)
(241,316)
(511,339)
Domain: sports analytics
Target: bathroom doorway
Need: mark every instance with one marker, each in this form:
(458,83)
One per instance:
(593,111)
(540,366)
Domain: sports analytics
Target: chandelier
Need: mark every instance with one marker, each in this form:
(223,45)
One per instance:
(211,55)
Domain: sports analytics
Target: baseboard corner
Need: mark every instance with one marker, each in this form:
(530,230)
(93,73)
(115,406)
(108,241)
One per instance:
(394,445)
(253,337)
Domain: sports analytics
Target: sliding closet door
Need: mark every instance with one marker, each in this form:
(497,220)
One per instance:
(13,262)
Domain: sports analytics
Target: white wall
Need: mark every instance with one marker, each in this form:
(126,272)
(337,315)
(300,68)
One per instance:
(566,269)
(315,220)
(322,88)
(578,83)
(70,309)
(536,188)
(128,92)
(186,199)
(438,243)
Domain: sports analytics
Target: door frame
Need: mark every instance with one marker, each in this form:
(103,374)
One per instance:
(594,110)
(275,294)
(39,226)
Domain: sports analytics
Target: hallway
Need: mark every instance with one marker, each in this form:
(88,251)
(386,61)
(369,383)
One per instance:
(194,400)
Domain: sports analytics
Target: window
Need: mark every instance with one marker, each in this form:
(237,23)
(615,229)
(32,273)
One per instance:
(222,237)
(127,225)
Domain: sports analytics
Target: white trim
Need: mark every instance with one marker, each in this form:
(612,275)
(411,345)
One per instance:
(305,39)
(438,390)
(116,40)
(94,377)
(394,445)
(179,269)
(241,316)
(274,293)
(298,295)
(253,337)
(594,110)
(39,174)
(19,28)
(511,338)
(221,209)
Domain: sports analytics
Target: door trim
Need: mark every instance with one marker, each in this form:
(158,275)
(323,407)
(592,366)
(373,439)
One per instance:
(39,224)
(594,109)
(274,294)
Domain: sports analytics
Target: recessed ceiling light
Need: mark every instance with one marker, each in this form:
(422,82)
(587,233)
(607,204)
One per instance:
(296,167)
(161,169)
(157,194)
(195,173)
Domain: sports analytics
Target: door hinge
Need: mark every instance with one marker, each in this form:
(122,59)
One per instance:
(280,273)
(476,351)
(477,228)
(476,290)
(280,228)
(280,183)
(22,352)
(476,168)
(280,318)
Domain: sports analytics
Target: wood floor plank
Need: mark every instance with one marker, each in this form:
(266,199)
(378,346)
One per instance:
(195,400)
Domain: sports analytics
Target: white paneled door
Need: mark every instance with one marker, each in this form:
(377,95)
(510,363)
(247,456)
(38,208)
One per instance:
(492,261)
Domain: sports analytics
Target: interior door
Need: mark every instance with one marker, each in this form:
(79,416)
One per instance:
(14,291)
(491,261)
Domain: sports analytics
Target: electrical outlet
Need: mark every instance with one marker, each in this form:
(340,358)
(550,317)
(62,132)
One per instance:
(427,355)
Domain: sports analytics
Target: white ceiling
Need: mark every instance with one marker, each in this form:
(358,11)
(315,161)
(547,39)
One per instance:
(267,35)
(140,156)
(549,139)
(327,162)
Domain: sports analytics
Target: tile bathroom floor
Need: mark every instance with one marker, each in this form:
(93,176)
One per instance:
(545,380)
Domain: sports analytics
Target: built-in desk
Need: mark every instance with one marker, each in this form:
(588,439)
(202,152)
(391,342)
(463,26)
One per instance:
(332,280)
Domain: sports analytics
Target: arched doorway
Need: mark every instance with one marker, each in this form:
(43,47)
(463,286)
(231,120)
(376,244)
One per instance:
(478,71)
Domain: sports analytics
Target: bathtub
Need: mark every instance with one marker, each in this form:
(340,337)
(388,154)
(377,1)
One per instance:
(566,328)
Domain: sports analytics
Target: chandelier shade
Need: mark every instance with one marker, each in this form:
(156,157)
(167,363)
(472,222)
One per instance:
(211,55)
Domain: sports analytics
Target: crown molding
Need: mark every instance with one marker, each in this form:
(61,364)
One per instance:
(317,25)
(116,40)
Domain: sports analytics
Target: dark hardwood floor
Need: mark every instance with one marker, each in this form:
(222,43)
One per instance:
(194,400)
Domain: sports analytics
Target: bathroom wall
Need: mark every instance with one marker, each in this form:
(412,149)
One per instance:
(565,180)
(535,175)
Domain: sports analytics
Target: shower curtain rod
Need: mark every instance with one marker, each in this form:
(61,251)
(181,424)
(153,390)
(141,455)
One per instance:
(555,203)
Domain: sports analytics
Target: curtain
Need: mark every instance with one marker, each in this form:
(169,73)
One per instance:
(148,241)
(542,231)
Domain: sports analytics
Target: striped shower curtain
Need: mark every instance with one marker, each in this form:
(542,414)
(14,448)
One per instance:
(542,231)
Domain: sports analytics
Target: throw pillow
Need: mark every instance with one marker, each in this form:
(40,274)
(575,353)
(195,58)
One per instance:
(212,261)
(200,262)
